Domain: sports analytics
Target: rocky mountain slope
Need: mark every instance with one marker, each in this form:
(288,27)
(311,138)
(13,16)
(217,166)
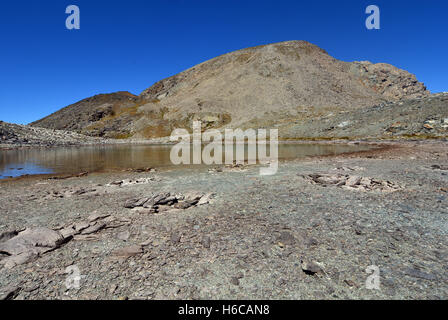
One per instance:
(417,118)
(82,116)
(279,85)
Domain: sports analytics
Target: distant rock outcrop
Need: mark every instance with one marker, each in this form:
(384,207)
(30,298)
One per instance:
(13,135)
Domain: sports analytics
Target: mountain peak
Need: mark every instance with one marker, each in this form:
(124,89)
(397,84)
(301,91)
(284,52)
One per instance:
(268,85)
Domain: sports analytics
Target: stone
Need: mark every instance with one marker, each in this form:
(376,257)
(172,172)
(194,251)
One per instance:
(5,236)
(94,228)
(193,195)
(439,167)
(68,232)
(141,170)
(112,222)
(365,181)
(82,191)
(310,267)
(9,292)
(350,283)
(235,281)
(353,181)
(32,288)
(113,288)
(157,199)
(326,179)
(135,202)
(97,216)
(206,242)
(18,259)
(129,251)
(286,238)
(167,200)
(163,208)
(310,242)
(180,197)
(36,240)
(147,211)
(415,273)
(79,226)
(206,198)
(175,238)
(86,237)
(124,236)
(185,204)
(146,243)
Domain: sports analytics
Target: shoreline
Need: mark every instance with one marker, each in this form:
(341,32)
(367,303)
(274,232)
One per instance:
(168,143)
(65,175)
(378,147)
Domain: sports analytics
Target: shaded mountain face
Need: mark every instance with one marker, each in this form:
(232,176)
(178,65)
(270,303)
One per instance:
(276,85)
(87,116)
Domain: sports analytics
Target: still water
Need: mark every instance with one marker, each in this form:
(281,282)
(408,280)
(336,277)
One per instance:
(68,160)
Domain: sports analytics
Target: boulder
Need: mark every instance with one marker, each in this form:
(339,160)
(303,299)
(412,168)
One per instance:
(37,240)
(29,244)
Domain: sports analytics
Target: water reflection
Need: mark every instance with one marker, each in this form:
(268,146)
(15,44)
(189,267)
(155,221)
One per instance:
(67,160)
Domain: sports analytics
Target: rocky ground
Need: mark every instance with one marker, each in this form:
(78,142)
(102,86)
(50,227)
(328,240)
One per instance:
(308,232)
(15,135)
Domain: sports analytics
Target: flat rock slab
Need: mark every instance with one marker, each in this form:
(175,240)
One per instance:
(29,244)
(127,252)
(162,202)
(352,182)
(18,248)
(9,292)
(37,239)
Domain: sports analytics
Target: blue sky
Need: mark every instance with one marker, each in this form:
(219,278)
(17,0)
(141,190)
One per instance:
(129,45)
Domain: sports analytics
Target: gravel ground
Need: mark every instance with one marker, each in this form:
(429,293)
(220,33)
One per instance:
(260,237)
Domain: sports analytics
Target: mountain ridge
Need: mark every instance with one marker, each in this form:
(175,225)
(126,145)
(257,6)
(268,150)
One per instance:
(271,85)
